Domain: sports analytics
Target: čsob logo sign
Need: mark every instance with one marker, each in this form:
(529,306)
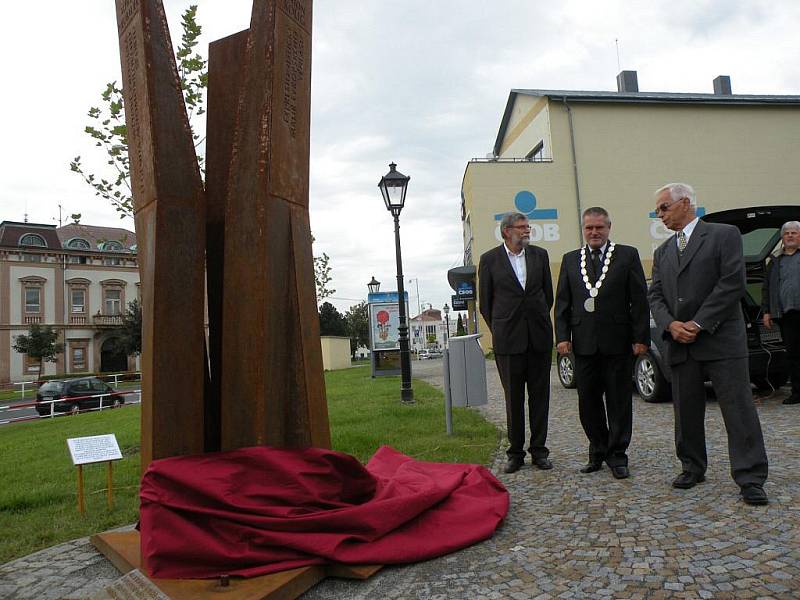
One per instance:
(525,202)
(465,291)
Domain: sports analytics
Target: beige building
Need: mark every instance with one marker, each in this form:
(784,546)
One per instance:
(77,278)
(559,152)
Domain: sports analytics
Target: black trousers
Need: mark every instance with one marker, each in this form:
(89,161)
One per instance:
(790,332)
(607,425)
(518,371)
(731,381)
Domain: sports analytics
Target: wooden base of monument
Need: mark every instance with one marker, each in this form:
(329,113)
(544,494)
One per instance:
(122,549)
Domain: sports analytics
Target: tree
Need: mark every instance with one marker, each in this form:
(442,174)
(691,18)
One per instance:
(107,125)
(357,318)
(431,339)
(331,321)
(108,130)
(460,326)
(129,338)
(39,344)
(322,276)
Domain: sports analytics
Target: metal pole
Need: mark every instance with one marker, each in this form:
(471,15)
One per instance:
(406,393)
(448,400)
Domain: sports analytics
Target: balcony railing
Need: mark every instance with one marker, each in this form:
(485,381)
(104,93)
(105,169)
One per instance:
(107,320)
(78,320)
(30,320)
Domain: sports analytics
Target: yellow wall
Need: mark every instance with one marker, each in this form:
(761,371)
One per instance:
(734,156)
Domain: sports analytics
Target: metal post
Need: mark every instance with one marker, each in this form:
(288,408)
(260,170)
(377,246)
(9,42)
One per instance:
(448,400)
(406,393)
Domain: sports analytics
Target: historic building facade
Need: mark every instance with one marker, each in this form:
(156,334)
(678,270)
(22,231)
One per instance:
(78,279)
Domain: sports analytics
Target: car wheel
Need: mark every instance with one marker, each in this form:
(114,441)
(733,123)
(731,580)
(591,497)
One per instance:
(117,402)
(649,380)
(74,409)
(566,371)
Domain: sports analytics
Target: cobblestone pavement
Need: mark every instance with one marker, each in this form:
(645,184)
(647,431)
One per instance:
(570,535)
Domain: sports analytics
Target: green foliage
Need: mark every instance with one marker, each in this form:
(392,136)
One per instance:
(431,338)
(107,121)
(331,321)
(460,327)
(357,318)
(129,335)
(38,507)
(39,344)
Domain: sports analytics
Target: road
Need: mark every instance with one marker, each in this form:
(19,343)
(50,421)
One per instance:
(12,411)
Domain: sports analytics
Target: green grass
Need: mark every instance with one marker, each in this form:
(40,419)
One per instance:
(38,506)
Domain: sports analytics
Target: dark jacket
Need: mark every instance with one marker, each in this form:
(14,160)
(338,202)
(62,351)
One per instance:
(518,318)
(705,285)
(621,317)
(771,288)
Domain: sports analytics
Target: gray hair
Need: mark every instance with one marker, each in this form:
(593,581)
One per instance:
(790,225)
(510,218)
(597,211)
(678,191)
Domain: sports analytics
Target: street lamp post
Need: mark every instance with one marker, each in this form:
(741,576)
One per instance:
(393,188)
(374,285)
(446,310)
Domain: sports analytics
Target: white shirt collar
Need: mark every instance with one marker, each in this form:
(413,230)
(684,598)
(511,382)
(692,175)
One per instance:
(688,229)
(602,248)
(510,253)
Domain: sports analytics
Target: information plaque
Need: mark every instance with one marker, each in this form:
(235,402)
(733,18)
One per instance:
(94,448)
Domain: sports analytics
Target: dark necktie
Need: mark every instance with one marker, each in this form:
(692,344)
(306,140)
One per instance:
(596,263)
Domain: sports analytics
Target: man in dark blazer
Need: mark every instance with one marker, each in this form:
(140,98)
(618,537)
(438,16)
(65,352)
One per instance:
(515,295)
(602,317)
(695,297)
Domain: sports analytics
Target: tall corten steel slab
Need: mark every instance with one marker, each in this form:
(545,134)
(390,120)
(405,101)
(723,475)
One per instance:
(170,228)
(272,379)
(225,73)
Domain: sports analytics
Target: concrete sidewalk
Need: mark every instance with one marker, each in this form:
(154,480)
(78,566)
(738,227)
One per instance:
(570,535)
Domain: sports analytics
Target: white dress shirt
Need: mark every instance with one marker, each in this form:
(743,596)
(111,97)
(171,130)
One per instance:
(518,264)
(687,230)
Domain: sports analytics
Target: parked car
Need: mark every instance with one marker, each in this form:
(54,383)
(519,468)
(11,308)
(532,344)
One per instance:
(760,228)
(426,354)
(74,395)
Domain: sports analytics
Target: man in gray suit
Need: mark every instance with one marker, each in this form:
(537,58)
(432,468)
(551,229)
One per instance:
(698,283)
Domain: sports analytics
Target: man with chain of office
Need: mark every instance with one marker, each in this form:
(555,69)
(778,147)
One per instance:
(602,318)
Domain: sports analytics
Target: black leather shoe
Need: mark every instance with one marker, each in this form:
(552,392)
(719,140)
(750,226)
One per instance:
(513,465)
(620,472)
(753,493)
(543,463)
(687,480)
(591,467)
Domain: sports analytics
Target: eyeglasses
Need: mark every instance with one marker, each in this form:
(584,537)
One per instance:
(662,208)
(521,227)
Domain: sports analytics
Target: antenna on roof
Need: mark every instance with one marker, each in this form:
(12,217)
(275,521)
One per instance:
(26,212)
(616,42)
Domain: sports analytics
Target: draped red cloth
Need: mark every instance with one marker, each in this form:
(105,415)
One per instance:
(259,510)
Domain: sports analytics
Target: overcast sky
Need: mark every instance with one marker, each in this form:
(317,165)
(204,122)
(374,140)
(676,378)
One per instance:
(421,83)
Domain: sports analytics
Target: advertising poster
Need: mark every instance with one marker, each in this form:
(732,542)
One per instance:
(384,320)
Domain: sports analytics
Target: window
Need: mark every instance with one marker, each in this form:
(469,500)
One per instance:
(77,260)
(112,246)
(537,153)
(31,239)
(112,261)
(31,257)
(78,359)
(78,300)
(31,364)
(33,300)
(78,244)
(113,302)
(430,329)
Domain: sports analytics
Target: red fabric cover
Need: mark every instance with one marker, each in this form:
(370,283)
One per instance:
(260,510)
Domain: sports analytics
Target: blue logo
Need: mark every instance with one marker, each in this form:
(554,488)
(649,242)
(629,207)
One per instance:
(465,291)
(525,202)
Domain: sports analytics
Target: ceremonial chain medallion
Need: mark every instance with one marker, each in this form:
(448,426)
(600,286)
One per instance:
(588,304)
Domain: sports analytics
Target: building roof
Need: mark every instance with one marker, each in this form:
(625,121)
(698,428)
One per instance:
(11,232)
(97,236)
(429,314)
(640,98)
